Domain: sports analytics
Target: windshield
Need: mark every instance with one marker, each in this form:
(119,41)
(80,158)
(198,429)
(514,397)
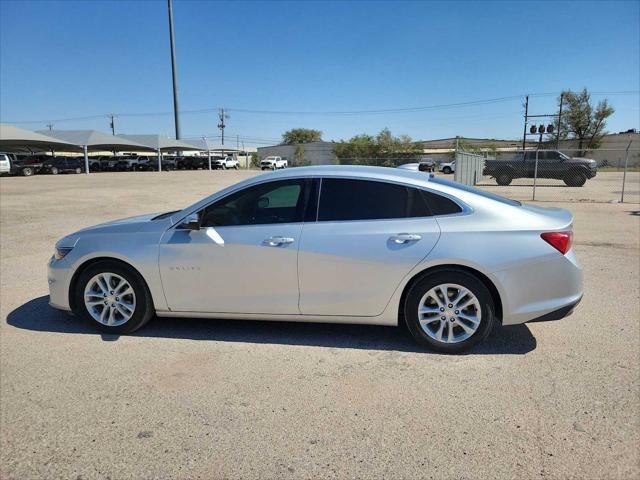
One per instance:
(477,191)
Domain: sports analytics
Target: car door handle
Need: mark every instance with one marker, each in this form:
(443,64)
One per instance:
(406,237)
(277,241)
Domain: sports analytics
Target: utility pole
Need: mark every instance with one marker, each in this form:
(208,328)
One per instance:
(113,129)
(246,157)
(559,120)
(526,114)
(173,72)
(221,125)
(50,127)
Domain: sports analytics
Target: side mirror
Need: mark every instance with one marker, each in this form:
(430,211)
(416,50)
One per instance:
(192,222)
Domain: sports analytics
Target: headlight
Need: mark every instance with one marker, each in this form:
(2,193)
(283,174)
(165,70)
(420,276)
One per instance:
(62,252)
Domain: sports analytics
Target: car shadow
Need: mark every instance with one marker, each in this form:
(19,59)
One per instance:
(37,315)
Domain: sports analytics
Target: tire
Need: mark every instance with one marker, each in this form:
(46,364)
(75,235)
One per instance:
(27,172)
(577,179)
(420,295)
(236,167)
(143,309)
(504,179)
(446,170)
(54,171)
(78,170)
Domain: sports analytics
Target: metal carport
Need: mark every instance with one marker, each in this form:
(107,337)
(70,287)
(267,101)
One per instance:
(206,145)
(16,139)
(94,140)
(160,144)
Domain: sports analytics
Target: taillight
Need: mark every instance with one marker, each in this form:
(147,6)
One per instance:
(561,241)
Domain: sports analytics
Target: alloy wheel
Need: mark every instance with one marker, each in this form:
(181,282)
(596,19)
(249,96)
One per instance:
(449,313)
(109,299)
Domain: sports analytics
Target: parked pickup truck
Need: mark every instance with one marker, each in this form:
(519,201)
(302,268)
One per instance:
(26,165)
(224,163)
(128,164)
(551,164)
(447,167)
(273,163)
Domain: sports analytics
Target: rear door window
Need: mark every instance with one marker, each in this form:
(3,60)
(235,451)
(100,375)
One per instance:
(346,199)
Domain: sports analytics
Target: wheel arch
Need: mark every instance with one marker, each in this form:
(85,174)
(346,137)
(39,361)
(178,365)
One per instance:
(495,294)
(92,261)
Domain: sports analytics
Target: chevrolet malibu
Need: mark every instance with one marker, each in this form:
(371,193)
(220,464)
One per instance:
(340,244)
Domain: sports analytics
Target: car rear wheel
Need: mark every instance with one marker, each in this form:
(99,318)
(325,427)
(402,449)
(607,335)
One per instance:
(449,311)
(78,170)
(576,179)
(113,298)
(54,171)
(446,170)
(27,171)
(504,179)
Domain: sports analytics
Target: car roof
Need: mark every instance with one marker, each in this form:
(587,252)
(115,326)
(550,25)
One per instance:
(351,171)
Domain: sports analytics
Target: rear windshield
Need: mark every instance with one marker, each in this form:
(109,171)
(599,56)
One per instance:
(477,191)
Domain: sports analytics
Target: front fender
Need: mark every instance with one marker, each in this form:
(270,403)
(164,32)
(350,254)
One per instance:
(141,255)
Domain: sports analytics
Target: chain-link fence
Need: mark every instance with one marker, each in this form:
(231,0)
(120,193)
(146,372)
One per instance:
(567,175)
(603,175)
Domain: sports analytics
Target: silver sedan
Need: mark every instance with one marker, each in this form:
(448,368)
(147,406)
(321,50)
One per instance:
(329,244)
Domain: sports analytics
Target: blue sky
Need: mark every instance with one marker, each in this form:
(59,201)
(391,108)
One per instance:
(66,59)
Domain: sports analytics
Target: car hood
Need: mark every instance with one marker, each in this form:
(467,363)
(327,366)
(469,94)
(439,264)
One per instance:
(124,225)
(582,160)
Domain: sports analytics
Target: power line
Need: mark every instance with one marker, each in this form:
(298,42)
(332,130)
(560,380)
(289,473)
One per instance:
(329,113)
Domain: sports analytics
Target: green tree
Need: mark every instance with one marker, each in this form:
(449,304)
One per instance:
(299,159)
(301,135)
(255,160)
(582,120)
(383,149)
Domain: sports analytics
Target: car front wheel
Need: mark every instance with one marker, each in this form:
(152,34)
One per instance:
(113,298)
(577,179)
(504,179)
(449,311)
(446,170)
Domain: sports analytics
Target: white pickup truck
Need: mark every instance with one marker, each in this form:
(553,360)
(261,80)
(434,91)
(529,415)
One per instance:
(225,163)
(448,167)
(273,163)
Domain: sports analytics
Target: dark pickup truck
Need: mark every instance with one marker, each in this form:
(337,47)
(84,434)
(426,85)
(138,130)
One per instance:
(551,164)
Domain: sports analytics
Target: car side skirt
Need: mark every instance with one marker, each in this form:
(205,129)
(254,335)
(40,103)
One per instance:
(379,320)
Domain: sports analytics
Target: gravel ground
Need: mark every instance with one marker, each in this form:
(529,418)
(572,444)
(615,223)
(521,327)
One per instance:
(220,399)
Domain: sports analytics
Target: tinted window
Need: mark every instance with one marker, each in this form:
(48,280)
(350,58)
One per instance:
(273,202)
(342,199)
(440,205)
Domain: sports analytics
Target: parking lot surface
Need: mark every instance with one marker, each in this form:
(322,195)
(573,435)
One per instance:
(187,398)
